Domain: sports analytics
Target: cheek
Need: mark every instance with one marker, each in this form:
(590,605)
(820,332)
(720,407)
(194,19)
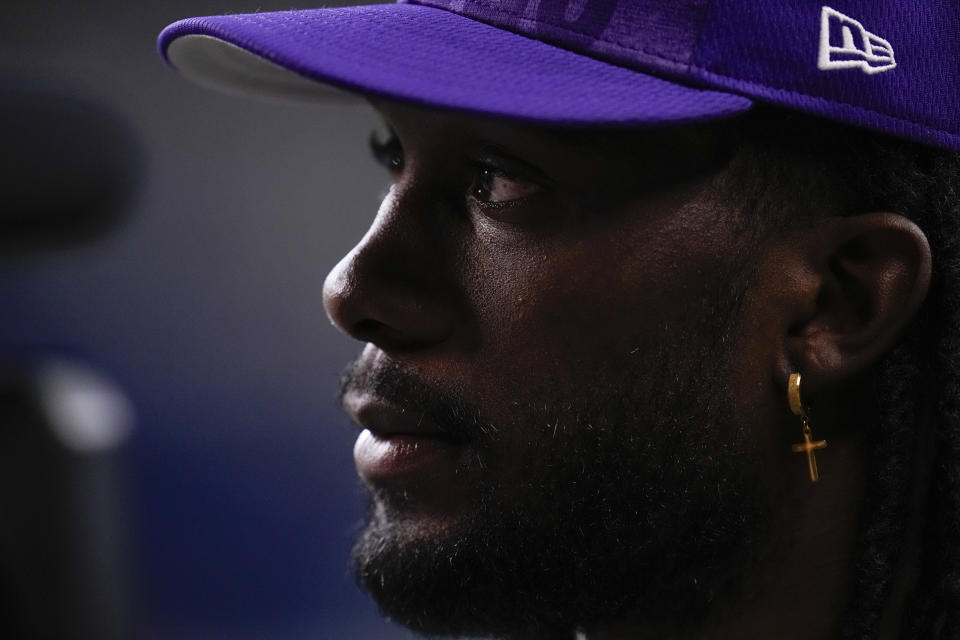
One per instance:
(573,310)
(563,324)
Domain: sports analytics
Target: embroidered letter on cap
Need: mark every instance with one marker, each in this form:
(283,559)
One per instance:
(845,44)
(593,18)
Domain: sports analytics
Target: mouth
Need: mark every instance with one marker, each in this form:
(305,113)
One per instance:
(399,447)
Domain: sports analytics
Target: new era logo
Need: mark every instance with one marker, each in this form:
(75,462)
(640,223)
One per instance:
(845,44)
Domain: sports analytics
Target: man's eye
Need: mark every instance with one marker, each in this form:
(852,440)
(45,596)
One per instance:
(387,151)
(492,186)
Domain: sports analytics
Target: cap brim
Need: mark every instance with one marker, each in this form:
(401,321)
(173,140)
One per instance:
(431,57)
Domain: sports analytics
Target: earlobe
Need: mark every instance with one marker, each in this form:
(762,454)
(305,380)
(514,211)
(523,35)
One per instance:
(872,272)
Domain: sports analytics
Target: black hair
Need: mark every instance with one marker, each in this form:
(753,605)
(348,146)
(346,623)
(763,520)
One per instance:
(909,538)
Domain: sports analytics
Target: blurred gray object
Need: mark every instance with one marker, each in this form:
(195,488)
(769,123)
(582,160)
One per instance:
(63,528)
(67,167)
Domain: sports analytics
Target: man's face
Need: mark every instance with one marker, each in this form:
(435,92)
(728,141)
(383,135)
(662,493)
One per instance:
(555,399)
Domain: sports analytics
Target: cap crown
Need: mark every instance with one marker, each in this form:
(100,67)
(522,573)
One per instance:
(885,64)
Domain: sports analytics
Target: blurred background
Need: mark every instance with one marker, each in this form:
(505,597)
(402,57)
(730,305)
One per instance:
(162,253)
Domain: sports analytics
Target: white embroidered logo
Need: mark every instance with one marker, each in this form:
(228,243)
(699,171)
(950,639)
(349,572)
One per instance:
(845,44)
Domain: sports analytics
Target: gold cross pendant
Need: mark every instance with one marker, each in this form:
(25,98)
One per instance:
(809,447)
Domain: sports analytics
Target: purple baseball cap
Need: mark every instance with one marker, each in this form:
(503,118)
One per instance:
(885,65)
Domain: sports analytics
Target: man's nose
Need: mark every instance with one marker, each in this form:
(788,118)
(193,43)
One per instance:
(391,289)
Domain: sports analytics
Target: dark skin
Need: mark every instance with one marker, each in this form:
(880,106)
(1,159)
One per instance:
(509,259)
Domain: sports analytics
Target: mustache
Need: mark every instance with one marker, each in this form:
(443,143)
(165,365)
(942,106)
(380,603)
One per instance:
(443,408)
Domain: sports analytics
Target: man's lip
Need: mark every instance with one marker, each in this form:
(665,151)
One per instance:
(420,463)
(386,419)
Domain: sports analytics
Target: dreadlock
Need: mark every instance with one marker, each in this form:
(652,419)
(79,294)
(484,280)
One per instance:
(911,522)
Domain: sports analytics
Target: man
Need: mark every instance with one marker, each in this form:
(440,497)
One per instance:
(649,352)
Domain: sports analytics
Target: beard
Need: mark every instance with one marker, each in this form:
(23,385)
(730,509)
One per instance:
(638,502)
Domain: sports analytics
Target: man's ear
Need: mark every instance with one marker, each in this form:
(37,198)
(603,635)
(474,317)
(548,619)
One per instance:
(865,277)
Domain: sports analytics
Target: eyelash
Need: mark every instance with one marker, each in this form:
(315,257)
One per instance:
(389,154)
(490,171)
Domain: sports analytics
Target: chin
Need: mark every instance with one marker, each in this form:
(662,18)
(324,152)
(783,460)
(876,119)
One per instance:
(557,561)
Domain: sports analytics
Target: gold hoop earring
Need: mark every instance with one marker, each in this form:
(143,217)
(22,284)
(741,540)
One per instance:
(808,445)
